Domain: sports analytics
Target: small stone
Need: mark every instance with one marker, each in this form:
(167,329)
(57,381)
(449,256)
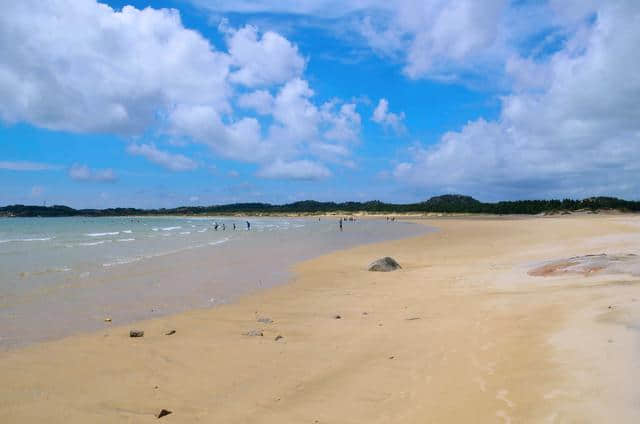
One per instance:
(107,319)
(413,318)
(278,337)
(265,320)
(337,317)
(253,333)
(136,333)
(391,357)
(365,313)
(163,413)
(170,333)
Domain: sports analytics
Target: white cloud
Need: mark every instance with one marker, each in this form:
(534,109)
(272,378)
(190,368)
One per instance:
(382,116)
(81,66)
(91,69)
(577,133)
(173,162)
(434,38)
(21,165)
(262,60)
(261,101)
(295,170)
(80,172)
(344,125)
(297,124)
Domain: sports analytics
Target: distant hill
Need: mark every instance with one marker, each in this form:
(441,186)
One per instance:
(448,203)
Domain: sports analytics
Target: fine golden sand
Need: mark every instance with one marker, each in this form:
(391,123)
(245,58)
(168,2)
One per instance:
(461,334)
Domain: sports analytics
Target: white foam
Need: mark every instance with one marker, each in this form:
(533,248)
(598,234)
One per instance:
(127,231)
(95,243)
(171,228)
(114,233)
(127,239)
(25,240)
(202,231)
(185,232)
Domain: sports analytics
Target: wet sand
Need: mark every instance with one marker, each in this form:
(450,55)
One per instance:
(462,333)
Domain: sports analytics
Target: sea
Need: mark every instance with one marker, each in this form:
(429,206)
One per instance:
(61,276)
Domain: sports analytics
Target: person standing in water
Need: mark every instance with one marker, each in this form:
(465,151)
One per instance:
(340,224)
(234,226)
(248,225)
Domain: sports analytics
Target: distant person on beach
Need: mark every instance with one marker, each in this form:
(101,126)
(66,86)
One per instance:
(215,227)
(248,225)
(234,226)
(224,227)
(340,224)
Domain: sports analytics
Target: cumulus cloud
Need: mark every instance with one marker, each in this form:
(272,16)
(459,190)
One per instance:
(260,100)
(22,165)
(262,60)
(81,66)
(296,125)
(382,116)
(80,172)
(575,133)
(296,170)
(170,161)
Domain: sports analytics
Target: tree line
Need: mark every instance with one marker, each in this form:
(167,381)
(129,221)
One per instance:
(450,203)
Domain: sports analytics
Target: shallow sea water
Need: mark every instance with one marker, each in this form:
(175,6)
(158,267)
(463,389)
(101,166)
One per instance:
(60,276)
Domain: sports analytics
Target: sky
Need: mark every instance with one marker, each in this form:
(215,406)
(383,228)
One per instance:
(165,103)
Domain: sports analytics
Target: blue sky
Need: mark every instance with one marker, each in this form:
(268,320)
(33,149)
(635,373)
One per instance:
(167,103)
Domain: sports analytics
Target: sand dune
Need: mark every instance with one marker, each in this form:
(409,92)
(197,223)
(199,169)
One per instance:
(462,333)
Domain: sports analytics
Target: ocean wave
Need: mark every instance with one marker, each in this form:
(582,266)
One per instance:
(127,231)
(202,231)
(94,243)
(113,233)
(171,228)
(26,239)
(185,232)
(127,239)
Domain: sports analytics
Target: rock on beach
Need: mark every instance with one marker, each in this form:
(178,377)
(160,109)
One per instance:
(385,264)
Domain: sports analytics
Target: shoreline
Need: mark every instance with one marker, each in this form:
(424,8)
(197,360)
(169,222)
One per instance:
(460,334)
(195,276)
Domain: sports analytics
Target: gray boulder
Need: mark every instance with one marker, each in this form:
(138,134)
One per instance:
(385,264)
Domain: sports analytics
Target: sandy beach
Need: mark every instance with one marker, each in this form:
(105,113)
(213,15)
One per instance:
(466,331)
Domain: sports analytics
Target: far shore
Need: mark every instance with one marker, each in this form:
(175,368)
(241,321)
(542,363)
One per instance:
(467,331)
